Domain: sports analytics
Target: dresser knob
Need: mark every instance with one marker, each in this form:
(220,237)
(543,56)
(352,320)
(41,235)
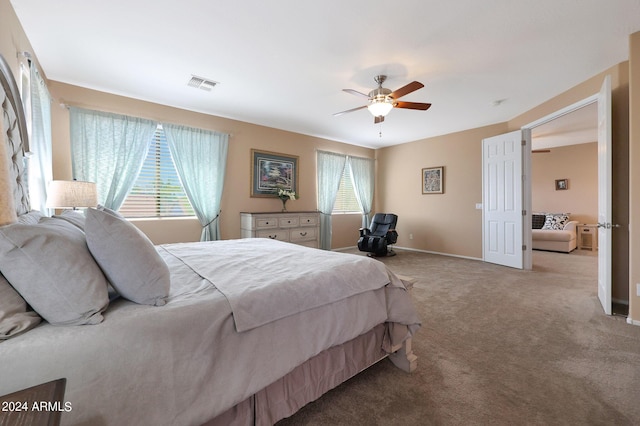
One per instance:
(273,237)
(303,234)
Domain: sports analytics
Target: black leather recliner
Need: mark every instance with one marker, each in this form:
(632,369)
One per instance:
(379,236)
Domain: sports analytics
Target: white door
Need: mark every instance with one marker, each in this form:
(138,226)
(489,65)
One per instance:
(502,199)
(604,195)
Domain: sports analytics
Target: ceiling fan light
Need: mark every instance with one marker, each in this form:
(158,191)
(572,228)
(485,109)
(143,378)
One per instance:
(380,107)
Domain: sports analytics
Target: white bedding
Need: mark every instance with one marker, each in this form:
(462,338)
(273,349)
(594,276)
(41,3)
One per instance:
(183,363)
(265,280)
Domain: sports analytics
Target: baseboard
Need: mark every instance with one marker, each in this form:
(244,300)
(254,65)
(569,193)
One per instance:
(438,253)
(344,248)
(633,322)
(418,250)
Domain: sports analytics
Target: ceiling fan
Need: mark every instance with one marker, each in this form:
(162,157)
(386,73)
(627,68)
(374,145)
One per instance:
(383,100)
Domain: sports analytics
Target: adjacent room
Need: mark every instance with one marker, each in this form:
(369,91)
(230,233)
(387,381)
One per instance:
(252,213)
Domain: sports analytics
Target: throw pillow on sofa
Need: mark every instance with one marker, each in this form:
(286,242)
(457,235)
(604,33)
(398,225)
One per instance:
(537,220)
(556,221)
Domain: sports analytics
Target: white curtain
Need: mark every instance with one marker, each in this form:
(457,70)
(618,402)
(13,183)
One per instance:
(363,179)
(40,172)
(200,157)
(330,167)
(108,149)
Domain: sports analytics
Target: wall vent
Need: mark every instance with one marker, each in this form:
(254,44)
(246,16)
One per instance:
(201,83)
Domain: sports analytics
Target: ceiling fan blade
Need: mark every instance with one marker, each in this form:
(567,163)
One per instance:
(355,92)
(412,105)
(405,90)
(350,110)
(378,119)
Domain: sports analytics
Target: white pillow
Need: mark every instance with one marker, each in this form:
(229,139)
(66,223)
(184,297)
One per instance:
(555,221)
(14,316)
(51,268)
(127,257)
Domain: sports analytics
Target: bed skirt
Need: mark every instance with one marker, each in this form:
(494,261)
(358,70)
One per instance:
(307,382)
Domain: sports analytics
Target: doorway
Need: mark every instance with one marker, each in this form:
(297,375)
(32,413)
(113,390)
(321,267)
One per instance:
(604,224)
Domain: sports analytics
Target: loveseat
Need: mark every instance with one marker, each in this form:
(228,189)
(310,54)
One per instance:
(553,232)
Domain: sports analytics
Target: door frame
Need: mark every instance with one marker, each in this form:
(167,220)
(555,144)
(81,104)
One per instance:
(527,158)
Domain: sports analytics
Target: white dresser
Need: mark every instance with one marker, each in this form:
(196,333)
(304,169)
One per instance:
(296,227)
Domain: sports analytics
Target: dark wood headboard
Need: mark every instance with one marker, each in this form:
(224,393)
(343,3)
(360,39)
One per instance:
(16,137)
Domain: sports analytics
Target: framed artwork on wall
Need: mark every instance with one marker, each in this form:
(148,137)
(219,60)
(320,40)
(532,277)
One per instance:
(433,180)
(562,184)
(271,171)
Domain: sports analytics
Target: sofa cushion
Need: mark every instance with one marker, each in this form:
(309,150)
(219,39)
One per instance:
(555,221)
(551,235)
(537,220)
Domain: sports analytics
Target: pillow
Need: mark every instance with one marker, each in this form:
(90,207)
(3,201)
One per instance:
(14,316)
(537,220)
(74,217)
(556,221)
(31,218)
(127,257)
(51,268)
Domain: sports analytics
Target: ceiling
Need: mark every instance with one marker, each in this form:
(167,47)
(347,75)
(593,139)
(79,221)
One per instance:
(283,63)
(577,127)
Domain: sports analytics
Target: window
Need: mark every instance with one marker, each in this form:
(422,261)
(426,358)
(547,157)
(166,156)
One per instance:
(157,192)
(346,201)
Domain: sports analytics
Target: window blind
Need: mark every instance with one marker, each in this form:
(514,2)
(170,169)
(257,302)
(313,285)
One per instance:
(346,201)
(158,191)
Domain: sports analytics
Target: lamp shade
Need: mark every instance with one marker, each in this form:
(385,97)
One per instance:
(68,194)
(380,107)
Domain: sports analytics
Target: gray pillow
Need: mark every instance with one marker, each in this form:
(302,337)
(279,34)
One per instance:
(14,316)
(75,217)
(51,268)
(127,257)
(31,218)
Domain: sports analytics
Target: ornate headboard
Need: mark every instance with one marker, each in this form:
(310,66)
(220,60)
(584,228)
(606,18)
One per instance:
(15,136)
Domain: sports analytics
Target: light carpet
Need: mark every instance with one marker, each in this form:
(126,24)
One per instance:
(499,346)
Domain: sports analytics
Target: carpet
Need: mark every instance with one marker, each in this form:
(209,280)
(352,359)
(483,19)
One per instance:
(499,346)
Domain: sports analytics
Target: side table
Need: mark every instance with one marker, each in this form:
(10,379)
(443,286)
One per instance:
(587,236)
(38,405)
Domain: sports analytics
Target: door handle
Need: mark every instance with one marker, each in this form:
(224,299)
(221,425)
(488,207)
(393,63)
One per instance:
(608,225)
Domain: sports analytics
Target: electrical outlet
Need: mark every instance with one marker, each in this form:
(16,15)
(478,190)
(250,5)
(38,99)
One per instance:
(478,206)
(411,238)
(638,290)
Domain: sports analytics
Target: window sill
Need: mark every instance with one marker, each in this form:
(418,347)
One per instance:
(149,219)
(343,213)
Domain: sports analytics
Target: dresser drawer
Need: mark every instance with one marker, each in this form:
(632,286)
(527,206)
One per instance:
(301,228)
(302,234)
(288,222)
(274,234)
(266,222)
(308,220)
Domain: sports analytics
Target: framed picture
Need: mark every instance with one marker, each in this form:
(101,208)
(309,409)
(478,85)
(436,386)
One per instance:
(562,184)
(433,180)
(270,171)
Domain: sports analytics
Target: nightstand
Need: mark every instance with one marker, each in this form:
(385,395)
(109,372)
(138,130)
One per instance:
(38,405)
(587,237)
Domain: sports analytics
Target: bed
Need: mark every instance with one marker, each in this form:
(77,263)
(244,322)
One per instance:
(228,332)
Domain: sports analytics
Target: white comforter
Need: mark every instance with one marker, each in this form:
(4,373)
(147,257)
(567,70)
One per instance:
(265,280)
(184,363)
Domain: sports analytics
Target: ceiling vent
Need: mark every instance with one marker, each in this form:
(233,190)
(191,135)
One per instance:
(201,83)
